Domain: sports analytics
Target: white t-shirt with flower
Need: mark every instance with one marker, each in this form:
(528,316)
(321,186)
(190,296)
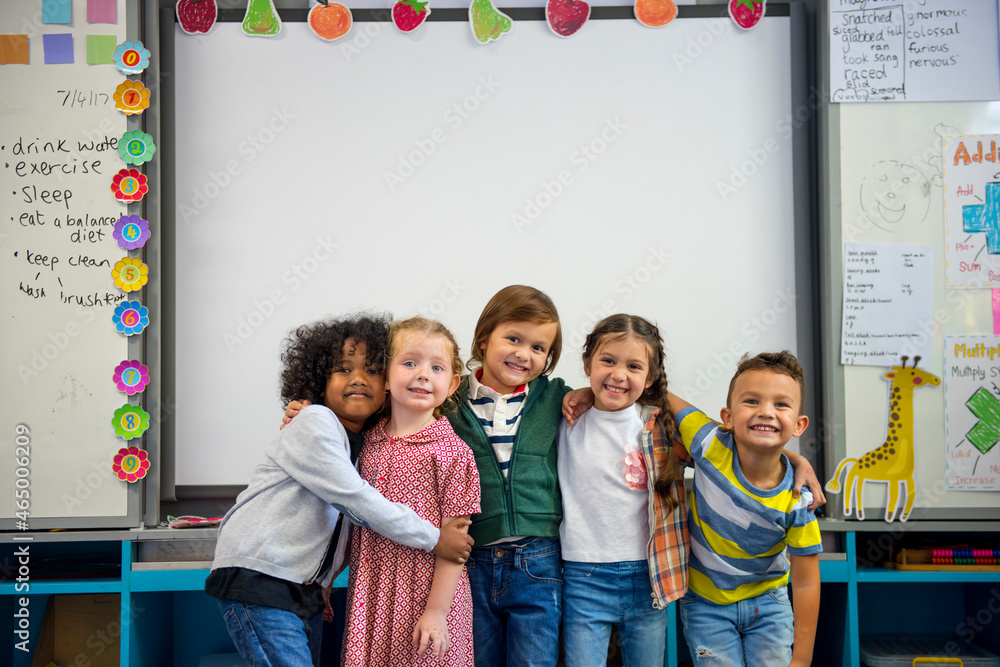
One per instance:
(604,488)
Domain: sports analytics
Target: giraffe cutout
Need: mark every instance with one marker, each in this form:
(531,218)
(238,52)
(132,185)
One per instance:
(892,461)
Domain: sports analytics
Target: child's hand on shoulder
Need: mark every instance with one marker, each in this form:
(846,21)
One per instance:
(291,410)
(576,402)
(431,633)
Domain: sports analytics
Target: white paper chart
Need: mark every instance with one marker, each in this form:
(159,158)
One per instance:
(888,303)
(932,50)
(972,412)
(972,210)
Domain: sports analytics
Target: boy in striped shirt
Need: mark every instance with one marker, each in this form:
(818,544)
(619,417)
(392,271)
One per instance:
(744,519)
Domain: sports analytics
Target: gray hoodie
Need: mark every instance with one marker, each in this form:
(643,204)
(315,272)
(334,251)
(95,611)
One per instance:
(282,523)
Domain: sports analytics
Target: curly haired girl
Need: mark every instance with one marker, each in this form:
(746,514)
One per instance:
(284,539)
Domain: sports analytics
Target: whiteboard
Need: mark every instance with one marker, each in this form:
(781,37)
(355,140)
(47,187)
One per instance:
(909,139)
(422,173)
(58,128)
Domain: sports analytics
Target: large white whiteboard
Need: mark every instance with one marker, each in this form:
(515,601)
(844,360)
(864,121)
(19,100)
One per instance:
(620,136)
(60,347)
(897,147)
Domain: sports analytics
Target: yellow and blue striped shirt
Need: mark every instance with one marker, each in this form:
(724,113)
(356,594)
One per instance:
(739,533)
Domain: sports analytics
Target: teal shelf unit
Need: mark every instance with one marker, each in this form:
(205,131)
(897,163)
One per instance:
(168,621)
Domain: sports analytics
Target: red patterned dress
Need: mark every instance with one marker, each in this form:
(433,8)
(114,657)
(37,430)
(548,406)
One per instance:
(434,472)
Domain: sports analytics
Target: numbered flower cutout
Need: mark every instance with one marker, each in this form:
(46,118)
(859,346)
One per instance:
(130,317)
(130,421)
(131,232)
(129,185)
(131,377)
(136,147)
(131,57)
(131,97)
(130,464)
(130,274)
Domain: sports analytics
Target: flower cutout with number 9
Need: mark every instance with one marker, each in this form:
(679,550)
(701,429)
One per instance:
(130,464)
(130,421)
(130,274)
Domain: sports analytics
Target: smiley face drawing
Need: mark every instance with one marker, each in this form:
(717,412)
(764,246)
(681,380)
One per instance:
(895,196)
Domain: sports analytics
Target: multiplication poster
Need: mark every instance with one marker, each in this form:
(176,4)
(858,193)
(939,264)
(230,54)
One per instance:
(972,412)
(972,210)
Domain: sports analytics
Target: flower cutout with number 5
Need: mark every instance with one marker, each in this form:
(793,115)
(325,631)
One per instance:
(130,274)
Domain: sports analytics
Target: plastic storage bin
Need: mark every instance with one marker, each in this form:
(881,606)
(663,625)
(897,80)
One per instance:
(902,650)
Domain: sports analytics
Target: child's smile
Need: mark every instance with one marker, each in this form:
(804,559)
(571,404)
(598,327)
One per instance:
(619,373)
(420,375)
(355,389)
(764,410)
(515,354)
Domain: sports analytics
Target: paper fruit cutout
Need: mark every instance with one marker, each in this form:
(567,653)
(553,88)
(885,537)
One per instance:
(408,15)
(892,461)
(330,20)
(130,317)
(261,19)
(746,13)
(196,16)
(131,97)
(488,23)
(131,57)
(136,147)
(129,185)
(131,377)
(130,464)
(130,274)
(130,421)
(131,232)
(655,13)
(985,218)
(565,17)
(986,433)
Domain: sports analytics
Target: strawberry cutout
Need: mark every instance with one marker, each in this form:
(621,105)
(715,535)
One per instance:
(196,16)
(746,13)
(408,15)
(565,17)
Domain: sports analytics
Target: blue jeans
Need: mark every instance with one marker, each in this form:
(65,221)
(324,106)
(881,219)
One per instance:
(597,596)
(266,636)
(517,603)
(753,632)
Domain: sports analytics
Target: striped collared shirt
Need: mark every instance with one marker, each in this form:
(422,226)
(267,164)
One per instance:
(499,415)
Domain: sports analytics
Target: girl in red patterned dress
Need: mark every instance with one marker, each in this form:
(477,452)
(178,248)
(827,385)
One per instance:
(408,607)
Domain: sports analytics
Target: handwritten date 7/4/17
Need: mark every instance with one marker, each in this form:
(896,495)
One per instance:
(83,98)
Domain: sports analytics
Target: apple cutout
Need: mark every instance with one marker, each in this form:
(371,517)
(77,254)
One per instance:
(196,16)
(565,17)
